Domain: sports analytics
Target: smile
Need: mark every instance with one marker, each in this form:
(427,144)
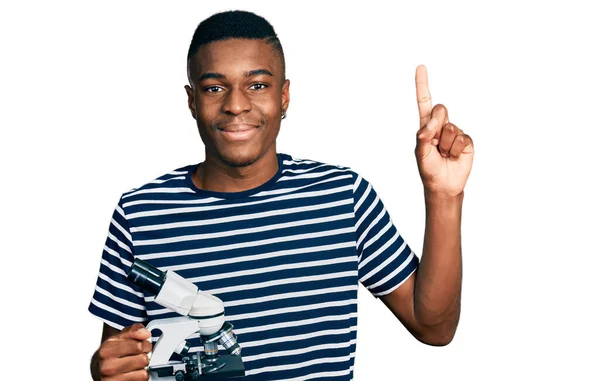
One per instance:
(238,132)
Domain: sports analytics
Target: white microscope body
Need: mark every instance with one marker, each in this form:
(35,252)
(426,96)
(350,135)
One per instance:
(202,313)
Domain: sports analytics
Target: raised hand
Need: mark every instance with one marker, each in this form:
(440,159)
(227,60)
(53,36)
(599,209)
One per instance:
(444,153)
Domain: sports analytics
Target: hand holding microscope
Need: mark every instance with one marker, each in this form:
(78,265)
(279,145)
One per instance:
(202,313)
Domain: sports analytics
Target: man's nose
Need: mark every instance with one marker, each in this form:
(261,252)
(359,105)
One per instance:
(236,102)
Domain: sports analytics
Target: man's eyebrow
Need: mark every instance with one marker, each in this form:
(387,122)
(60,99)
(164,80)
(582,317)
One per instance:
(250,73)
(258,72)
(211,76)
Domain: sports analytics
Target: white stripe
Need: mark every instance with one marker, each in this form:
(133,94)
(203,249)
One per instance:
(313,175)
(289,324)
(228,233)
(281,339)
(364,262)
(298,365)
(321,375)
(162,311)
(280,325)
(120,211)
(247,244)
(287,310)
(367,212)
(116,254)
(158,181)
(396,271)
(120,286)
(268,298)
(117,312)
(304,170)
(300,351)
(303,336)
(297,323)
(118,242)
(368,229)
(384,263)
(299,162)
(194,201)
(264,270)
(362,199)
(256,257)
(289,295)
(279,282)
(120,300)
(378,235)
(393,273)
(293,194)
(114,268)
(274,311)
(205,208)
(395,286)
(243,217)
(295,191)
(160,190)
(121,229)
(356,183)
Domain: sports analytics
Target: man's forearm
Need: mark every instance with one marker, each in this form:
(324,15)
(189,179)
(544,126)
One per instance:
(439,278)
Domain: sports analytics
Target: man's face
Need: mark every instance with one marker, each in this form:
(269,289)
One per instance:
(238,97)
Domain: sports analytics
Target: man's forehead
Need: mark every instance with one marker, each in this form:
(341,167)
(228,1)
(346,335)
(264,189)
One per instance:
(234,53)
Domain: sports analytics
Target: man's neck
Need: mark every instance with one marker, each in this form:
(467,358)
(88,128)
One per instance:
(214,175)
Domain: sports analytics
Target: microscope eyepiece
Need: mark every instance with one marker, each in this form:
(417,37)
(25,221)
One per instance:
(146,276)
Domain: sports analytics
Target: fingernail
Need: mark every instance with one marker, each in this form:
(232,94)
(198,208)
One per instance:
(432,124)
(142,331)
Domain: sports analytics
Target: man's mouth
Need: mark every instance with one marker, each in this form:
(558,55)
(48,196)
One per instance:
(238,131)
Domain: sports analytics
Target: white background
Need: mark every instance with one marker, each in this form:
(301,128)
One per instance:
(92,104)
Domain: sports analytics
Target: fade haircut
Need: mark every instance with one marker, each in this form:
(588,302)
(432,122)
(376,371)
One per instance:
(234,24)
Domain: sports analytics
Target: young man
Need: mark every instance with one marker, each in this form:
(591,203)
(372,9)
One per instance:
(282,242)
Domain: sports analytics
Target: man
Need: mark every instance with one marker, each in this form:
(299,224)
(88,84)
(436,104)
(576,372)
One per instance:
(283,242)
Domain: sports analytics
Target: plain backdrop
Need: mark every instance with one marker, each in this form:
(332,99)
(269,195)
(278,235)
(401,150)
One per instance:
(93,104)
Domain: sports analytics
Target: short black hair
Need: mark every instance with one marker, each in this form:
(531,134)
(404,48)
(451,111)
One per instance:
(234,24)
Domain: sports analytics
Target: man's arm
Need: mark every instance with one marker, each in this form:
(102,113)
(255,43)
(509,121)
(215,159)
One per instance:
(428,303)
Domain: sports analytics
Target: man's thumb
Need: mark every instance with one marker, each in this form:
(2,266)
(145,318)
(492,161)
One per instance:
(136,331)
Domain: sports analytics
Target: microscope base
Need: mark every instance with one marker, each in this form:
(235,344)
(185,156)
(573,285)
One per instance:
(234,367)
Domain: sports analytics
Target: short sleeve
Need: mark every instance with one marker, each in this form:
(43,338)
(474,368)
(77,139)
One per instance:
(385,260)
(116,301)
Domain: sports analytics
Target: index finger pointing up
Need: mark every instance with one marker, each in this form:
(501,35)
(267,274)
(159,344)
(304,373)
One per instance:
(423,95)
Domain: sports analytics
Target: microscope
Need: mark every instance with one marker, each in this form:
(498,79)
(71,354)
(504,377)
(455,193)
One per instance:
(202,313)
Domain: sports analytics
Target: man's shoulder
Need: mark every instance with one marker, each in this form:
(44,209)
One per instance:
(293,163)
(171,181)
(294,166)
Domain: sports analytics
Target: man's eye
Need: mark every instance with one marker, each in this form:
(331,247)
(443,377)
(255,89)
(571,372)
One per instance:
(258,86)
(213,89)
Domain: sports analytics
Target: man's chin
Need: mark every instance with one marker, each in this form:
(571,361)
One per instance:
(239,161)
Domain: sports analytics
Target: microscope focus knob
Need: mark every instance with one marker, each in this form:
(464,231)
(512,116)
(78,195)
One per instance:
(179,376)
(196,375)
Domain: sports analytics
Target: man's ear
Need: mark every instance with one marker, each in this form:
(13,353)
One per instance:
(285,96)
(191,102)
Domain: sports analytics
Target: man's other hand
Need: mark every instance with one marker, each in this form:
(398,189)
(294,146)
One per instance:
(124,356)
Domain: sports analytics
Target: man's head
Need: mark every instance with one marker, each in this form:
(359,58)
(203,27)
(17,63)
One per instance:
(238,92)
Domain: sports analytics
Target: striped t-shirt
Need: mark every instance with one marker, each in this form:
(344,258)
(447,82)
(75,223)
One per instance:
(285,258)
